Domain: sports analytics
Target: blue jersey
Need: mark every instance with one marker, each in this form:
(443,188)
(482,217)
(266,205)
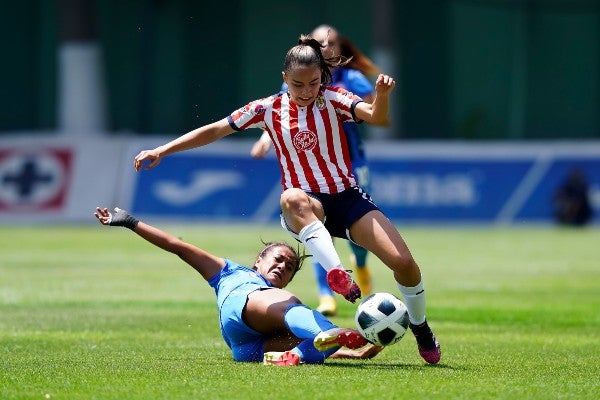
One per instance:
(236,277)
(354,81)
(232,285)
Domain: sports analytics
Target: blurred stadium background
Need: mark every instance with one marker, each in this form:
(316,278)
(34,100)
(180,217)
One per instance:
(497,102)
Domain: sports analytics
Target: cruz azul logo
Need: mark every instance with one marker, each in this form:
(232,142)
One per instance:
(34,180)
(305,140)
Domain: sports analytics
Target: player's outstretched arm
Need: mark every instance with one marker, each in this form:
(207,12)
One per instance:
(205,263)
(197,138)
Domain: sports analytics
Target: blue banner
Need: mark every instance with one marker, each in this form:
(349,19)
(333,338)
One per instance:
(466,189)
(215,186)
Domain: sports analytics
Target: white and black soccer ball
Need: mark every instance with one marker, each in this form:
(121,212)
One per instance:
(382,318)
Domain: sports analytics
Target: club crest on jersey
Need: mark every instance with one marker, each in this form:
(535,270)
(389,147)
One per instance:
(320,102)
(304,140)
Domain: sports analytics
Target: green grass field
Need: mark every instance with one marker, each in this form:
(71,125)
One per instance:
(91,312)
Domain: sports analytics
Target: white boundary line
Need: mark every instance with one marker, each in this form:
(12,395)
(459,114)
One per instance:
(270,203)
(524,190)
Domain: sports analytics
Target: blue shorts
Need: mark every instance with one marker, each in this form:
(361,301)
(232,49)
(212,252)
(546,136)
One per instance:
(341,210)
(246,344)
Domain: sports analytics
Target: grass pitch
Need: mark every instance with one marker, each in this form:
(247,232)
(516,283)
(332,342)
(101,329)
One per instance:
(91,312)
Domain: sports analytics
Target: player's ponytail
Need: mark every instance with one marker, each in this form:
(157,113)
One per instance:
(357,59)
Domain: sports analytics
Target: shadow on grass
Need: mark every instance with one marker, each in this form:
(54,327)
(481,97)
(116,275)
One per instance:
(408,367)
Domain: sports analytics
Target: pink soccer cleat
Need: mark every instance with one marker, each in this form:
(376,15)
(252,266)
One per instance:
(341,282)
(429,347)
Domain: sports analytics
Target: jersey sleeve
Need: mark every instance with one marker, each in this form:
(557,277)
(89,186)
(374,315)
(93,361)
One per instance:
(250,116)
(358,83)
(344,103)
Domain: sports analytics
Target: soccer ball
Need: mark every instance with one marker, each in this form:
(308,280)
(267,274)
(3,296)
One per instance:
(382,319)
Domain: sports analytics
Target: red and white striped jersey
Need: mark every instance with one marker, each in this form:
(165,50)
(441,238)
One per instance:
(312,152)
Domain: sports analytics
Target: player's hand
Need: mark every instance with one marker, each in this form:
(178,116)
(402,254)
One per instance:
(153,156)
(260,149)
(103,215)
(370,351)
(366,353)
(119,218)
(384,84)
(261,146)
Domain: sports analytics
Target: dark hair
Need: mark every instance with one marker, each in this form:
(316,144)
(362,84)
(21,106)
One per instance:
(357,59)
(299,257)
(308,53)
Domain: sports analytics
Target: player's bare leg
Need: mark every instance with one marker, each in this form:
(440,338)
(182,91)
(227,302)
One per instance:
(303,216)
(376,233)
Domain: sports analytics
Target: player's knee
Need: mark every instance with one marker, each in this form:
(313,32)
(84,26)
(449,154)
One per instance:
(294,199)
(403,265)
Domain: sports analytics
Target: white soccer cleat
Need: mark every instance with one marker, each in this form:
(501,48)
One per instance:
(281,358)
(339,337)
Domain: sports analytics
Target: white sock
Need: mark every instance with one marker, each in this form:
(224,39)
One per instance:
(414,298)
(318,241)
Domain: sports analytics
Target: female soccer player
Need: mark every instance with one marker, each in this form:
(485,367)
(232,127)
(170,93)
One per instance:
(351,77)
(260,321)
(321,197)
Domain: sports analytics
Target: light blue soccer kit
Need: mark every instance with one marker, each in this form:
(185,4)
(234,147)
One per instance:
(232,286)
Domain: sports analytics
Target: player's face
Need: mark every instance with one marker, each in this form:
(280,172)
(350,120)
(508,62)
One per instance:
(278,265)
(329,39)
(303,84)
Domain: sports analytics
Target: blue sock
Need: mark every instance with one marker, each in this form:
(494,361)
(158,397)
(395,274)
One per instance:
(309,354)
(304,322)
(321,276)
(360,254)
